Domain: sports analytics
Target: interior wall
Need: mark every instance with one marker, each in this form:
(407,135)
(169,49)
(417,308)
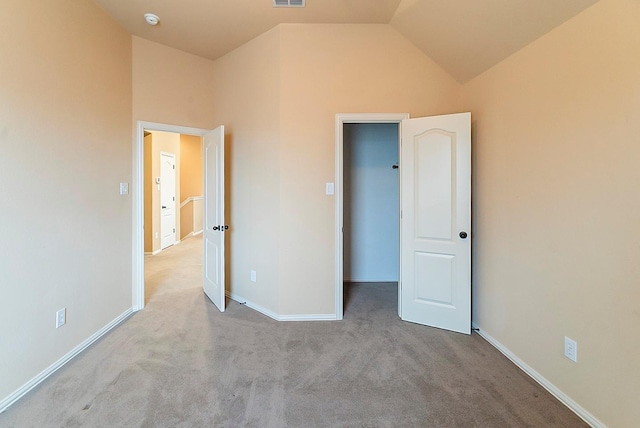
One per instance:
(327,69)
(371,202)
(163,142)
(191,180)
(191,184)
(555,206)
(246,92)
(171,86)
(65,136)
(186,221)
(149,186)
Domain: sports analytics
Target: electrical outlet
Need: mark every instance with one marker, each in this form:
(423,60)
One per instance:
(571,349)
(253,276)
(61,317)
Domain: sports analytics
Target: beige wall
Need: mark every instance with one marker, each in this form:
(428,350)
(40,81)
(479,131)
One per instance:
(149,187)
(278,96)
(556,207)
(170,86)
(247,101)
(186,220)
(65,139)
(175,88)
(162,142)
(191,183)
(190,166)
(329,69)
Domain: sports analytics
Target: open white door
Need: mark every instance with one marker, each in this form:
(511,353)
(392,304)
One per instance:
(214,227)
(167,200)
(435,261)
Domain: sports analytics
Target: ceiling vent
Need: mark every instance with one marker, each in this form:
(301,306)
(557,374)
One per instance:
(288,3)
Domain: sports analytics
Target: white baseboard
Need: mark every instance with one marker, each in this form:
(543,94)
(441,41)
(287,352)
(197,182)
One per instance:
(273,315)
(18,393)
(146,253)
(252,305)
(564,398)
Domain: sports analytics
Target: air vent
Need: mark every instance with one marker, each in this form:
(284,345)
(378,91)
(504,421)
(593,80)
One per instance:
(288,3)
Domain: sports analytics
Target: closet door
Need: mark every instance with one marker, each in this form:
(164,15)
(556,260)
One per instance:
(435,260)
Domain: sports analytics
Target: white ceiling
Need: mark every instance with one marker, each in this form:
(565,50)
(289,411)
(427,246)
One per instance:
(465,37)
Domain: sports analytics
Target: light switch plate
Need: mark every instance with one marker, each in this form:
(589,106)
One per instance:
(329,188)
(124,188)
(61,317)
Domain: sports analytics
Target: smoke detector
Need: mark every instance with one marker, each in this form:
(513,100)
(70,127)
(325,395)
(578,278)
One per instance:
(151,18)
(288,3)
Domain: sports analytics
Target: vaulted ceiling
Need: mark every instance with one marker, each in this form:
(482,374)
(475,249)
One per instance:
(466,37)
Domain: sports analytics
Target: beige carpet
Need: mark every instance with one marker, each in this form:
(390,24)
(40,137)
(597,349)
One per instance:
(181,363)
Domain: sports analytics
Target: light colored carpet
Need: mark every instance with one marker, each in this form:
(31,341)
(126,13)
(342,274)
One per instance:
(181,363)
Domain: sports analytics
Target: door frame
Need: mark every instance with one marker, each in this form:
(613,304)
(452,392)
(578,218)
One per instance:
(341,119)
(137,265)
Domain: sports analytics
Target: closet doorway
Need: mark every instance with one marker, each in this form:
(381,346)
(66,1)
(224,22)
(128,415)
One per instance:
(368,202)
(435,217)
(371,206)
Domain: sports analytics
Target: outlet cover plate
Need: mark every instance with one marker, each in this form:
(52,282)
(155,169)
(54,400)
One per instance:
(571,349)
(61,317)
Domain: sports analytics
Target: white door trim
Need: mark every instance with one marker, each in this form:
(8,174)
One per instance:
(137,271)
(341,119)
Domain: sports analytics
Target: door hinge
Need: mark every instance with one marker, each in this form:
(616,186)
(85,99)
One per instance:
(174,199)
(174,231)
(174,167)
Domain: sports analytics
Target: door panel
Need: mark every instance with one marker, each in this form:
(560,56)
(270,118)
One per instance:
(167,200)
(434,183)
(435,260)
(213,233)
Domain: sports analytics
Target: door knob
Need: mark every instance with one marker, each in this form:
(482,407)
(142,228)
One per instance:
(164,207)
(216,227)
(463,235)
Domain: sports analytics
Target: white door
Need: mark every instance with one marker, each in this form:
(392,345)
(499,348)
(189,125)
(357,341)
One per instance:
(214,226)
(435,261)
(167,200)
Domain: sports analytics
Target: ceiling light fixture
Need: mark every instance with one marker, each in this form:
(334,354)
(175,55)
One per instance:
(151,18)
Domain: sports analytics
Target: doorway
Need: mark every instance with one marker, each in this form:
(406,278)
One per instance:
(362,262)
(371,208)
(435,197)
(139,181)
